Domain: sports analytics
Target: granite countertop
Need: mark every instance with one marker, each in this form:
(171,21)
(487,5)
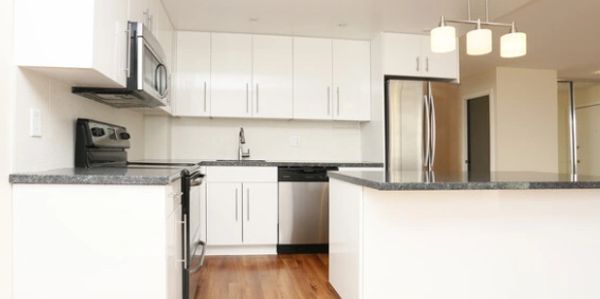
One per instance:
(152,175)
(102,176)
(413,180)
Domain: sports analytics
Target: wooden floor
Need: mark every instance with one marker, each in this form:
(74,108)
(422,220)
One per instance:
(274,276)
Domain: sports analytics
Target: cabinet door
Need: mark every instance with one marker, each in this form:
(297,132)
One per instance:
(231,62)
(192,74)
(312,78)
(260,213)
(272,76)
(224,213)
(352,80)
(444,66)
(402,54)
(175,254)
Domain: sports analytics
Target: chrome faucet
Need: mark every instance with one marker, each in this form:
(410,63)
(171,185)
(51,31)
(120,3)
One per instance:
(241,154)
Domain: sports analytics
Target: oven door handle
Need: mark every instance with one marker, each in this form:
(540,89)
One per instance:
(196,268)
(196,179)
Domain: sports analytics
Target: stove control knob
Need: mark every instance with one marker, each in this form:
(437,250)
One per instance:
(124,136)
(98,132)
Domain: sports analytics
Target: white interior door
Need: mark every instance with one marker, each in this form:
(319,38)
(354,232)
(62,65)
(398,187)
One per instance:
(260,213)
(312,78)
(224,213)
(351,80)
(192,76)
(231,64)
(272,76)
(588,140)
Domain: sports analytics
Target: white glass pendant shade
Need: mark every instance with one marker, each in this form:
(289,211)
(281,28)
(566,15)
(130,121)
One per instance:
(443,39)
(479,42)
(513,45)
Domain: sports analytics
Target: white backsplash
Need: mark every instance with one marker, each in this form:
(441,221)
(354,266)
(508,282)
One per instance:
(199,138)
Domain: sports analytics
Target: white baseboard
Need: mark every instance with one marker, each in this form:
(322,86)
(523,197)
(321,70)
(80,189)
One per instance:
(242,250)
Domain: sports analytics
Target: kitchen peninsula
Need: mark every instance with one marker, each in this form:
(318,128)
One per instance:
(499,235)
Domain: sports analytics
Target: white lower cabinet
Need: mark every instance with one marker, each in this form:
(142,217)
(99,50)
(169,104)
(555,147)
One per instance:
(241,213)
(224,226)
(96,241)
(260,213)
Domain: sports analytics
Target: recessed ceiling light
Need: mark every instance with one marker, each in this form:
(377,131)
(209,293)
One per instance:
(597,72)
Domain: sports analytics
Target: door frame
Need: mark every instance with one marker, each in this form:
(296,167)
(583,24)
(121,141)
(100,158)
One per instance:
(465,135)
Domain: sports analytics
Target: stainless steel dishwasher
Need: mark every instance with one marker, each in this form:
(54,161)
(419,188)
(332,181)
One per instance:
(303,209)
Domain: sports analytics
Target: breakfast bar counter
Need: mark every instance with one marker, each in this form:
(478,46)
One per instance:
(497,235)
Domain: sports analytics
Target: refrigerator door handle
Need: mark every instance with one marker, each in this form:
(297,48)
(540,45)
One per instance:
(427,143)
(433,130)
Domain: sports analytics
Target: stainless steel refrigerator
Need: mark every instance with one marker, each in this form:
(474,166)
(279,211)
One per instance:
(413,111)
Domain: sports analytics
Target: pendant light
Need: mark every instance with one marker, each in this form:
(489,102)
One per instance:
(479,41)
(443,38)
(513,44)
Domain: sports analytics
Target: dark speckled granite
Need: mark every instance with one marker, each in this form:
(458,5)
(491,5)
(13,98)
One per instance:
(151,175)
(102,176)
(461,181)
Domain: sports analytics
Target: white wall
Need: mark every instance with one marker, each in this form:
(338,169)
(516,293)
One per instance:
(6,101)
(60,108)
(526,120)
(524,117)
(199,138)
(372,133)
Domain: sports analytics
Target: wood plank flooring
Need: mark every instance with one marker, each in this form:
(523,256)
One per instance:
(274,276)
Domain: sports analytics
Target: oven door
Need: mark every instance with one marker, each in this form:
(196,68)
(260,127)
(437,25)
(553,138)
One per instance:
(197,246)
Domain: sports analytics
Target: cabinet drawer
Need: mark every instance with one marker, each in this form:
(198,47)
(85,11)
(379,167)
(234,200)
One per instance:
(241,174)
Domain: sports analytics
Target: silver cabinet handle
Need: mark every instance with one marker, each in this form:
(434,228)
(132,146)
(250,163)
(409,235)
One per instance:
(247,98)
(257,98)
(236,204)
(328,100)
(248,204)
(204,96)
(427,64)
(338,100)
(418,64)
(185,245)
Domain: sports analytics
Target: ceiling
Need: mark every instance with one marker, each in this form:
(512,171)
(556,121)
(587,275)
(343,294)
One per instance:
(562,34)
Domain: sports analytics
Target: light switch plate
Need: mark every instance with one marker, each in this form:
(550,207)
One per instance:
(35,122)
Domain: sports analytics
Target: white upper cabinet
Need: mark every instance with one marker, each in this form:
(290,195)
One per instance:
(231,64)
(272,76)
(82,42)
(192,74)
(312,78)
(402,54)
(409,55)
(443,66)
(351,80)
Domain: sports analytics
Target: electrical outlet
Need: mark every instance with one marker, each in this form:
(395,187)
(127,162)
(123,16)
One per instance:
(294,141)
(35,122)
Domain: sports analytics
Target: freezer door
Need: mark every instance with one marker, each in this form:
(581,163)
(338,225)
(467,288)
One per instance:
(405,121)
